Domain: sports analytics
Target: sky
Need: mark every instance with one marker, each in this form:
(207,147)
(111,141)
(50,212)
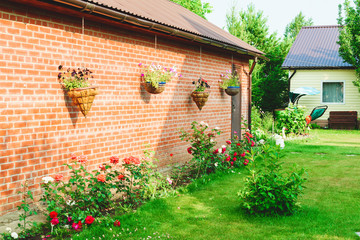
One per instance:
(279,12)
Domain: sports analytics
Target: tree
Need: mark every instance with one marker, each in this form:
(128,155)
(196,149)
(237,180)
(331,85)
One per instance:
(293,28)
(270,88)
(270,81)
(195,6)
(349,37)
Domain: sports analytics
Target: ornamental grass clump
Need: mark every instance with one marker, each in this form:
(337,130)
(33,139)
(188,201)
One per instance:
(270,190)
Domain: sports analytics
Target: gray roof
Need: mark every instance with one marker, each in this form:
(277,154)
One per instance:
(316,47)
(170,14)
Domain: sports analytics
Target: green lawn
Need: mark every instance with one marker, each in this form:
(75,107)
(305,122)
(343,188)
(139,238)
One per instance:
(330,204)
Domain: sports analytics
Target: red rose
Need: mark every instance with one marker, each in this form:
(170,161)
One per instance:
(243,154)
(82,159)
(189,150)
(102,167)
(114,159)
(235,154)
(171,154)
(232,163)
(252,143)
(77,226)
(54,221)
(223,149)
(249,134)
(117,223)
(121,177)
(228,142)
(58,177)
(228,159)
(53,214)
(73,156)
(246,162)
(238,144)
(131,159)
(234,159)
(89,220)
(216,151)
(101,178)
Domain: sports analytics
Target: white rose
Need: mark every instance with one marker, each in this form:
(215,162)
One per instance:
(47,179)
(223,146)
(220,150)
(14,235)
(262,141)
(217,128)
(216,164)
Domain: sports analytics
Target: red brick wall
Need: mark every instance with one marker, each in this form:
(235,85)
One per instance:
(39,126)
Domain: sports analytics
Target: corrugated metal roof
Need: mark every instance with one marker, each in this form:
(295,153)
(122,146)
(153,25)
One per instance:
(175,16)
(316,47)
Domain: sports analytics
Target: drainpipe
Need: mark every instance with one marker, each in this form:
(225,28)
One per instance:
(122,17)
(250,91)
(290,77)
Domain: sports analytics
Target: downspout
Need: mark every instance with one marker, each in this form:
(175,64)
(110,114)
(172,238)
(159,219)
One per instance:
(122,17)
(291,76)
(250,91)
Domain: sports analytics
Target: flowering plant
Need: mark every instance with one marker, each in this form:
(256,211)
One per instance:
(202,144)
(200,85)
(155,74)
(74,78)
(229,79)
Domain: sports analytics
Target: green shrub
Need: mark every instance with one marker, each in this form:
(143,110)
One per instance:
(269,190)
(293,120)
(262,123)
(202,147)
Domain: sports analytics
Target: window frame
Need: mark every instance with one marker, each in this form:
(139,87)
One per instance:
(322,91)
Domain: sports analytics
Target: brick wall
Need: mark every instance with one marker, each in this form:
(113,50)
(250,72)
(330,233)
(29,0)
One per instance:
(40,127)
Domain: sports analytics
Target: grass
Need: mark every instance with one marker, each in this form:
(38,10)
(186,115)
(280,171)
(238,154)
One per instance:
(330,202)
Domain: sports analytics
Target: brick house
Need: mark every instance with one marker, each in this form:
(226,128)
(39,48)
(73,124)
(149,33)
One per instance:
(40,127)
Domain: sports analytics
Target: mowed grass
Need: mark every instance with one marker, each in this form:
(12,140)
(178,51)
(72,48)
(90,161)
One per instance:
(330,203)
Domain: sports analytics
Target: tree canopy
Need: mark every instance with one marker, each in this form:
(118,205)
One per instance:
(270,81)
(196,6)
(349,37)
(293,28)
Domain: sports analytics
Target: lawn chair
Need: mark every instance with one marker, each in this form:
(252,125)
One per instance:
(316,113)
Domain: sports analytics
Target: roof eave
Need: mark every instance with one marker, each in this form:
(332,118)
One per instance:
(153,26)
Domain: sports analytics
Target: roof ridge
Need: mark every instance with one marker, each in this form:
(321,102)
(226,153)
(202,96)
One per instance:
(322,26)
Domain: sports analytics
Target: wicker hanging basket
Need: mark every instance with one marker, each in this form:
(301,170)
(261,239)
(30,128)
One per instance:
(83,98)
(151,89)
(200,98)
(232,91)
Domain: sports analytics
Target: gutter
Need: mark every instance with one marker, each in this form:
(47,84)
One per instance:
(123,17)
(250,90)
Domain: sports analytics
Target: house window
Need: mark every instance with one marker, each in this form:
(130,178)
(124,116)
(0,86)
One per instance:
(333,92)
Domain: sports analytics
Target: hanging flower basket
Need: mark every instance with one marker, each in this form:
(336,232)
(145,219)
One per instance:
(83,98)
(151,89)
(200,98)
(232,91)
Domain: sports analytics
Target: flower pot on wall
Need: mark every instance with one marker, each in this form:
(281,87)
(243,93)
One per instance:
(83,98)
(200,98)
(232,91)
(153,90)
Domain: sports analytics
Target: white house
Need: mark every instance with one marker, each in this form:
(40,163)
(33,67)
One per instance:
(314,61)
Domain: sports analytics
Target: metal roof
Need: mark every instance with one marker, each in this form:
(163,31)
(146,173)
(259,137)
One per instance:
(170,14)
(316,47)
